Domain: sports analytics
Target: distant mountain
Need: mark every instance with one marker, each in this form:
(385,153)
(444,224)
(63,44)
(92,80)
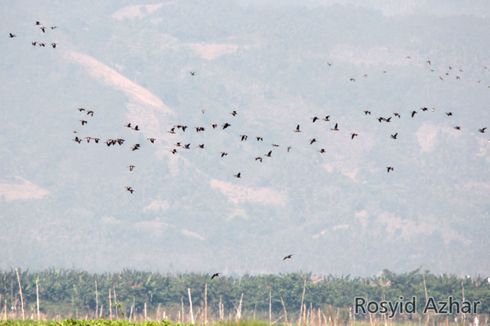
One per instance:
(65,204)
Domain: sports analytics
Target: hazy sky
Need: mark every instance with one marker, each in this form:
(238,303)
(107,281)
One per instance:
(65,204)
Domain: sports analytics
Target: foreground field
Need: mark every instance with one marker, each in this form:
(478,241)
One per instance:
(72,322)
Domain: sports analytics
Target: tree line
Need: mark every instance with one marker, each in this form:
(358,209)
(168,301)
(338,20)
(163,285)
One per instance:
(73,293)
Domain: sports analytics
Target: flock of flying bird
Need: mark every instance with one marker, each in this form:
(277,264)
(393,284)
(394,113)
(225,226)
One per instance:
(43,29)
(181,128)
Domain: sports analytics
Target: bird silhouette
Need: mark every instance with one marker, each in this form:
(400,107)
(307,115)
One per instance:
(275,145)
(214,125)
(173,151)
(192,73)
(336,127)
(234,113)
(457,127)
(223,154)
(313,140)
(135,147)
(258,158)
(449,114)
(226,125)
(78,140)
(84,122)
(238,175)
(43,29)
(414,113)
(394,136)
(259,138)
(389,168)
(287,257)
(482,130)
(322,150)
(289,149)
(297,129)
(327,118)
(269,154)
(314,119)
(187,146)
(215,275)
(152,140)
(128,125)
(243,137)
(353,135)
(201,146)
(12,35)
(130,189)
(366,112)
(38,23)
(131,168)
(396,114)
(90,113)
(34,43)
(53,45)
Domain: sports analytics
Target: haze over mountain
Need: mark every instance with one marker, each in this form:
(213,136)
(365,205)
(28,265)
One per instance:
(64,204)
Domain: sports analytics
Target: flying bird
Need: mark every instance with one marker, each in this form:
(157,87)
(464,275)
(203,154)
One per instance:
(258,158)
(449,114)
(223,154)
(297,129)
(322,150)
(396,114)
(135,147)
(366,112)
(457,127)
(131,168)
(414,113)
(336,127)
(43,29)
(234,113)
(482,130)
(327,118)
(130,189)
(259,138)
(226,125)
(269,154)
(288,257)
(353,135)
(389,168)
(12,35)
(314,119)
(201,146)
(84,122)
(243,137)
(90,113)
(394,136)
(313,140)
(214,275)
(238,175)
(152,140)
(53,45)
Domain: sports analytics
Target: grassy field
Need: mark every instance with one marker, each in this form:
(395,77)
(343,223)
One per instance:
(102,322)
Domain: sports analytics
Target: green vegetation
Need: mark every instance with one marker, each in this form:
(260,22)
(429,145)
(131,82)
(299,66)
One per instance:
(134,295)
